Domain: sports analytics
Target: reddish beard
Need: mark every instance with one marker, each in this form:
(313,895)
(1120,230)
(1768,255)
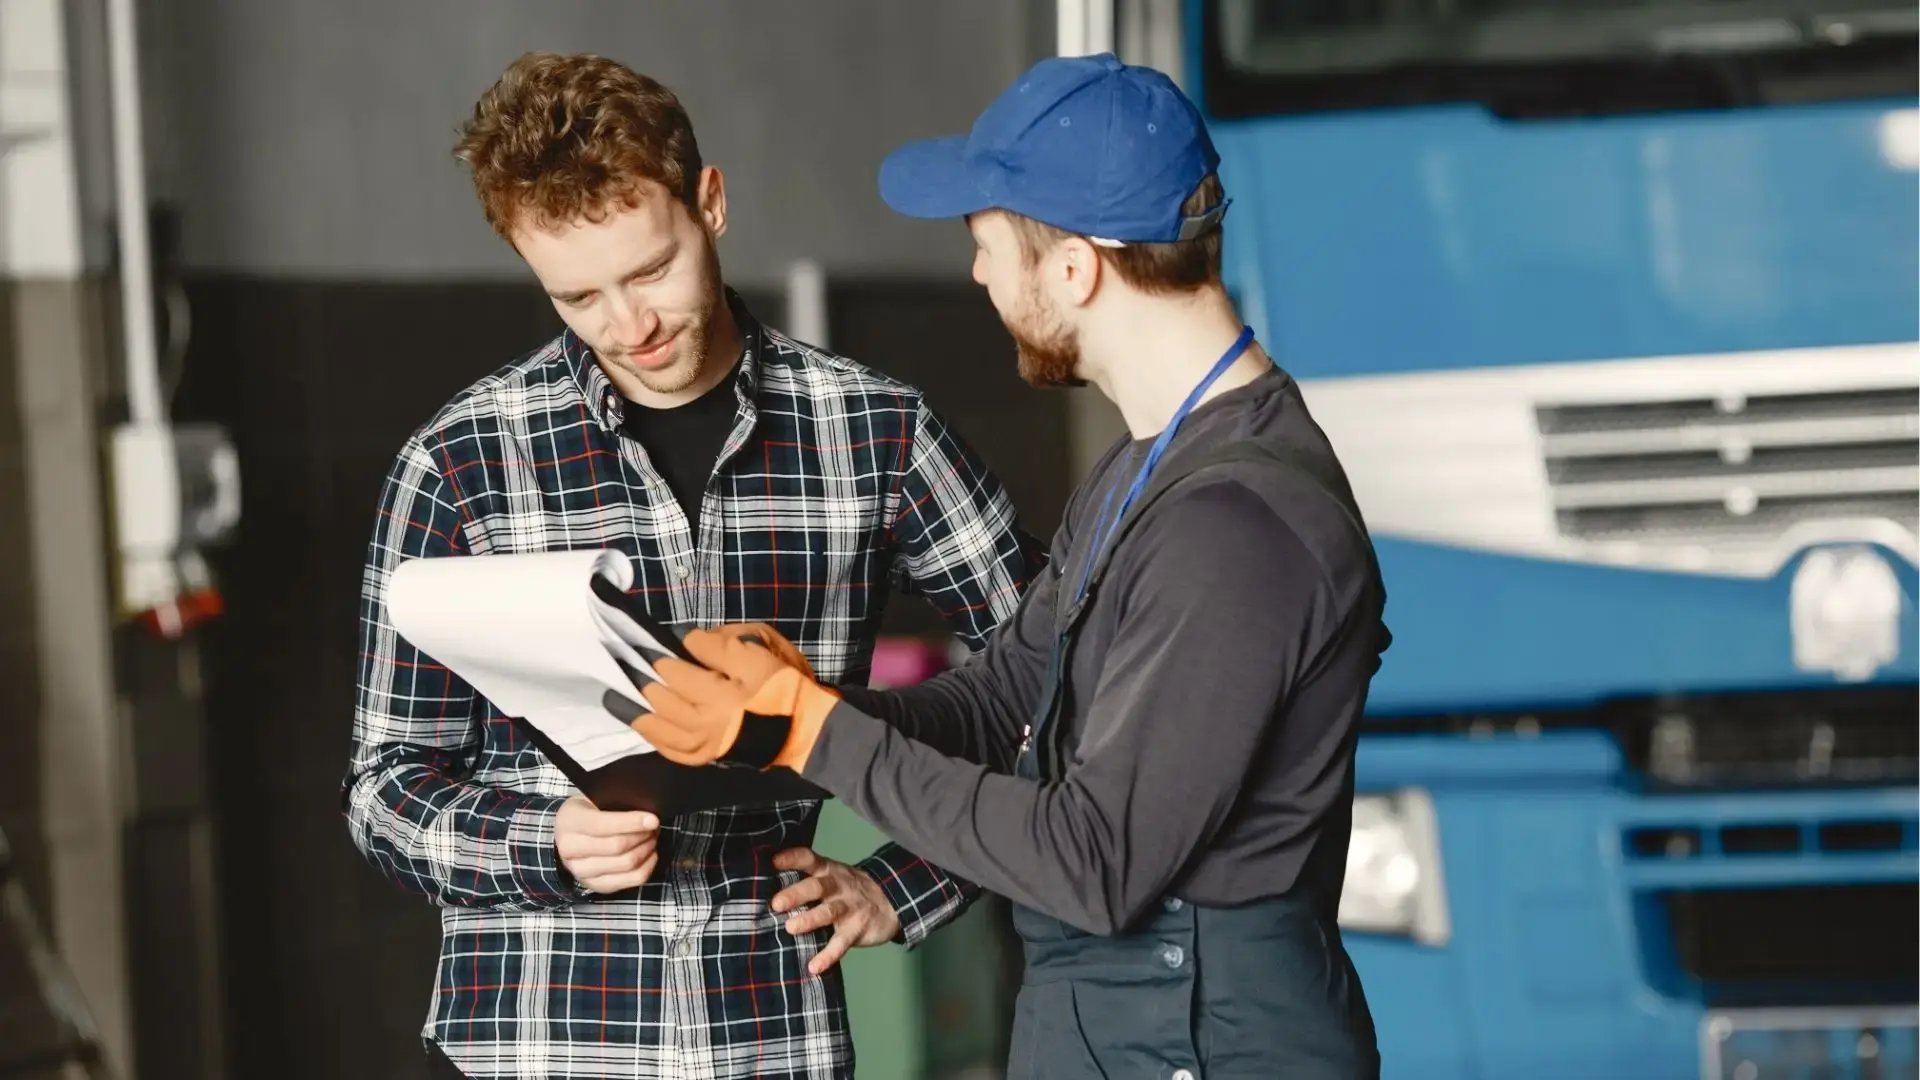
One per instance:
(1048,350)
(695,338)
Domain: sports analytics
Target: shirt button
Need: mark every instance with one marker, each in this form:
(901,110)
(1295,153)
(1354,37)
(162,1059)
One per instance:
(1173,955)
(1183,1074)
(682,571)
(1172,903)
(683,948)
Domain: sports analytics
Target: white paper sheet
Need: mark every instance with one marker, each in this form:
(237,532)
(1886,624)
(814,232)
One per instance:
(527,632)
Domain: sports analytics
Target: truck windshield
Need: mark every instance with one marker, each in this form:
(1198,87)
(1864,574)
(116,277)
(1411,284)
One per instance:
(1555,57)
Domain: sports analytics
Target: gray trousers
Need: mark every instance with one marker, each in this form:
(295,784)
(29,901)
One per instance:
(1195,993)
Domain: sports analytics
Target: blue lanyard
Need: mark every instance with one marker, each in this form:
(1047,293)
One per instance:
(1105,530)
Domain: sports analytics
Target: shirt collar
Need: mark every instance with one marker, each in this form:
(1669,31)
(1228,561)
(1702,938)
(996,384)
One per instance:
(608,408)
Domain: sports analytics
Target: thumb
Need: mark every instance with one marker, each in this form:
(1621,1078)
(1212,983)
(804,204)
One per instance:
(798,858)
(709,648)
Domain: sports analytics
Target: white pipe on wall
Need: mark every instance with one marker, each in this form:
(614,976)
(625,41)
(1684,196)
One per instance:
(144,402)
(807,302)
(1083,27)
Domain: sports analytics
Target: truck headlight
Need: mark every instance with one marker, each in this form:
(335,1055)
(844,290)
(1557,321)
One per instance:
(1393,883)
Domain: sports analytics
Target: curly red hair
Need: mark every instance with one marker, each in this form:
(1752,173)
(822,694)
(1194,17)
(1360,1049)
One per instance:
(559,137)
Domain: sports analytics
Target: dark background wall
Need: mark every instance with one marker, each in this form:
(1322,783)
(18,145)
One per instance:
(313,139)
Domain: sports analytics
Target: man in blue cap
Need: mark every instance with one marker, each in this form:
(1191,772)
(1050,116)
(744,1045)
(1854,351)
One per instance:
(1154,757)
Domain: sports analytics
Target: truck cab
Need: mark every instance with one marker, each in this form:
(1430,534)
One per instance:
(1609,309)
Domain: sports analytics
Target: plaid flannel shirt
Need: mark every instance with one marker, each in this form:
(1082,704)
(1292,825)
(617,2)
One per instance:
(836,486)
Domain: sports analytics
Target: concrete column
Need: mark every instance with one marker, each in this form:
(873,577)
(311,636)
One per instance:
(59,592)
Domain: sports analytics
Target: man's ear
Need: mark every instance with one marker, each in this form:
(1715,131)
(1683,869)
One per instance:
(711,189)
(1077,272)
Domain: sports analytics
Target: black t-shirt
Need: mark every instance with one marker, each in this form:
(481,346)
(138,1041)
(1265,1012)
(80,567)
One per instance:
(684,442)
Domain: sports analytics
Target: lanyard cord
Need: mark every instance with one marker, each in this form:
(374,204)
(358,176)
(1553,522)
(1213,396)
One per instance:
(1104,531)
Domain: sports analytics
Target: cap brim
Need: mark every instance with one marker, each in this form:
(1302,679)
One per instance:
(928,179)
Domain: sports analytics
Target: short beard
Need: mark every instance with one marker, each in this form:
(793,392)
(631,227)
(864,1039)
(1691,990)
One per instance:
(696,340)
(1048,350)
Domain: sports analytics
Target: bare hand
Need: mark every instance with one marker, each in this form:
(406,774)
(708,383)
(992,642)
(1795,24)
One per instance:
(843,897)
(605,851)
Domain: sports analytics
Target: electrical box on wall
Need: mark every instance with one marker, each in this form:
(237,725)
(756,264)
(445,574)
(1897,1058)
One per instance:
(176,492)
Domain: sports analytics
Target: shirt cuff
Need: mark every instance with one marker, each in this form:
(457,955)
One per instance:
(923,896)
(536,861)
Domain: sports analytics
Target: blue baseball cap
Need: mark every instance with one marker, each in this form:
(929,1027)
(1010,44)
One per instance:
(1086,144)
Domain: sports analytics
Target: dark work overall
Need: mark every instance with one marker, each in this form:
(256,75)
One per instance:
(1191,993)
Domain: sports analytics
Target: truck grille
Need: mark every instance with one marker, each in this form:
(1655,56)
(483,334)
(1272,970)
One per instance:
(1736,469)
(1796,944)
(1708,742)
(1864,736)
(1840,836)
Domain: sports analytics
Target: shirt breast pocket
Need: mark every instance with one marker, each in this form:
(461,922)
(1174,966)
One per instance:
(840,573)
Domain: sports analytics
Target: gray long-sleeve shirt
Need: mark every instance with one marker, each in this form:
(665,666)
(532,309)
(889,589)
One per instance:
(1210,707)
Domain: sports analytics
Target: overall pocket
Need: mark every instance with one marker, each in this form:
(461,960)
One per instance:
(1048,1039)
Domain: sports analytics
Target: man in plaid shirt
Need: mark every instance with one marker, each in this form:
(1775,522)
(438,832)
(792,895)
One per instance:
(750,478)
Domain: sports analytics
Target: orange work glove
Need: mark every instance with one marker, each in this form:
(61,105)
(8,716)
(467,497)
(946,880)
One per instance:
(742,703)
(772,639)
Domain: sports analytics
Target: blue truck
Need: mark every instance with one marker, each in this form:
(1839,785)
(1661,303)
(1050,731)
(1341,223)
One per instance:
(1610,309)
